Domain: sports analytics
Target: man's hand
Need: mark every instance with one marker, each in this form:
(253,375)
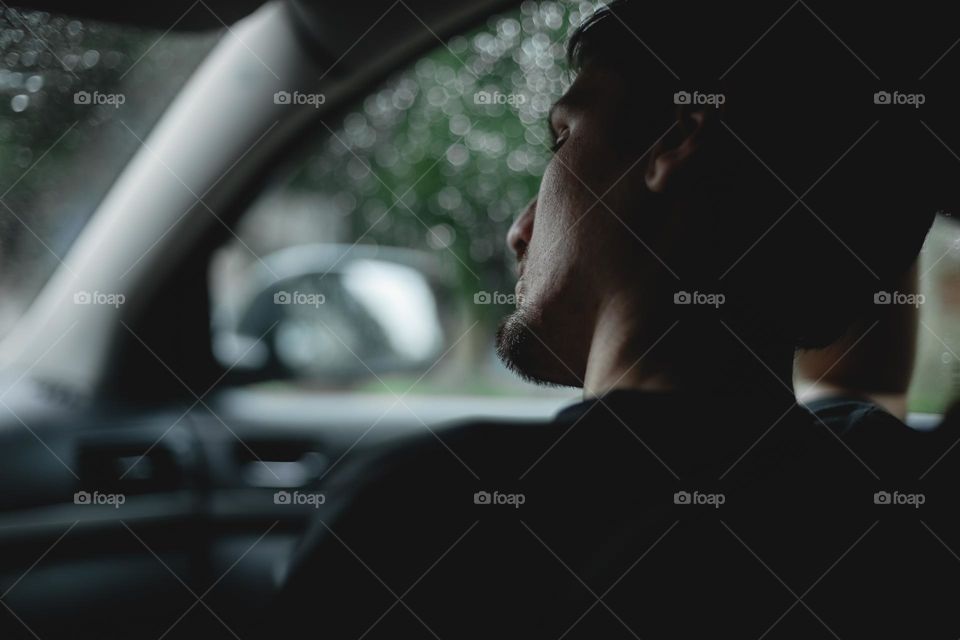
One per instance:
(874,360)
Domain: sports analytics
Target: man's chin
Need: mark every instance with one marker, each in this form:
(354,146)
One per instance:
(526,353)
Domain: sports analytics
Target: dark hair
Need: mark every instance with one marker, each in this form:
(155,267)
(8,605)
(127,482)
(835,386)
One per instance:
(827,195)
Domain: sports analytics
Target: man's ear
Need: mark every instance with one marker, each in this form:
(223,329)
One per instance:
(673,158)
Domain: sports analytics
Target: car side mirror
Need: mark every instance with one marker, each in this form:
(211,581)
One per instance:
(331,314)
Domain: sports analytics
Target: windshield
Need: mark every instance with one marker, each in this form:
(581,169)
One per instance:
(72,90)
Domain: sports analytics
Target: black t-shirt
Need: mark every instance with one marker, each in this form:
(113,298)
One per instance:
(636,515)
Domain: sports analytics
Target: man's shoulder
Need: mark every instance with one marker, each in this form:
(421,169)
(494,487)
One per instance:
(468,449)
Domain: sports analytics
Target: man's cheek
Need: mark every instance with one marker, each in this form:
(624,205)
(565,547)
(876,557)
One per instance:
(556,204)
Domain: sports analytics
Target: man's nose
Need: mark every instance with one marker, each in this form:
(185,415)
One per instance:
(518,237)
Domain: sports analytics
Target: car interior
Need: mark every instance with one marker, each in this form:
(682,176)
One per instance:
(165,390)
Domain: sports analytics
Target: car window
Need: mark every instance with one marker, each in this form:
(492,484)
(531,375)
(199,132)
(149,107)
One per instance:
(436,162)
(71,90)
(936,382)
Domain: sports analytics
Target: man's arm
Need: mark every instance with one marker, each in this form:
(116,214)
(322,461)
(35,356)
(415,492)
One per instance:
(874,360)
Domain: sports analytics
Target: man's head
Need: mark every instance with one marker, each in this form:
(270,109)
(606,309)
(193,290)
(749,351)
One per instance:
(771,205)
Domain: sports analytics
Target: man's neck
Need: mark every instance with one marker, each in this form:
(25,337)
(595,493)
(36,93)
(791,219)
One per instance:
(628,351)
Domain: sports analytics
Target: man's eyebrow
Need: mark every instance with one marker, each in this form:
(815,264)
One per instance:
(553,110)
(571,100)
(561,104)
